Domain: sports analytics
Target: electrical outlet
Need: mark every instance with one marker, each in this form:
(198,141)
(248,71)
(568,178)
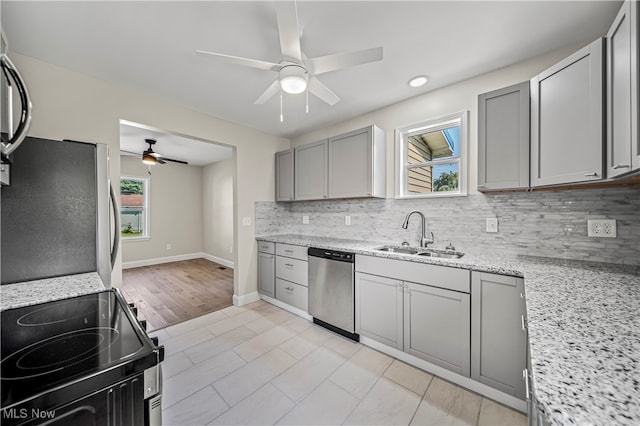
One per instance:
(347,220)
(601,228)
(168,246)
(491,224)
(246,221)
(305,220)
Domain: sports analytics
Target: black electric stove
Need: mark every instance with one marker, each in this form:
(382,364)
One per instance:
(59,353)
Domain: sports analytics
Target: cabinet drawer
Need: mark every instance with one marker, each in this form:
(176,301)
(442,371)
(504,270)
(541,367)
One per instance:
(293,270)
(297,252)
(291,294)
(266,247)
(422,273)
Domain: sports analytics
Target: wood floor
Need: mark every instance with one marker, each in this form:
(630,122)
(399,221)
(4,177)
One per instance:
(174,292)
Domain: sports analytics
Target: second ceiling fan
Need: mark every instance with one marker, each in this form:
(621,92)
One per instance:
(150,157)
(296,73)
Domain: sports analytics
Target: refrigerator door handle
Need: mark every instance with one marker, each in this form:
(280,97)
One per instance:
(11,73)
(116,220)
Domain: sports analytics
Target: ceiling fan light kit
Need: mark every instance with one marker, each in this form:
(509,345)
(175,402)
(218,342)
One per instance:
(147,158)
(293,79)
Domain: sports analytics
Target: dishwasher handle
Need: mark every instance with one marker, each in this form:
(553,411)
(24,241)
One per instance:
(340,256)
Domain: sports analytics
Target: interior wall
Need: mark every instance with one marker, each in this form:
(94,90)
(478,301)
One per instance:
(217,207)
(175,210)
(70,105)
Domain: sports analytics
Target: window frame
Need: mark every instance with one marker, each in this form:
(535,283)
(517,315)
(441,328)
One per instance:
(402,135)
(146,189)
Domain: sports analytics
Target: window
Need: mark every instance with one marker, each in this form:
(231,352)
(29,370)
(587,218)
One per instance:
(134,207)
(431,158)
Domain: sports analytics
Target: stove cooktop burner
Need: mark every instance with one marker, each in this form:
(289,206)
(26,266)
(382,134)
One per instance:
(57,353)
(61,312)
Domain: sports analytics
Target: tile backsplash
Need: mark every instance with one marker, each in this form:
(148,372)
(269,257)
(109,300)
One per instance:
(544,223)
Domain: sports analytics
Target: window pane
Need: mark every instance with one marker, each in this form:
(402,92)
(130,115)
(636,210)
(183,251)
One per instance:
(133,207)
(434,145)
(446,177)
(436,178)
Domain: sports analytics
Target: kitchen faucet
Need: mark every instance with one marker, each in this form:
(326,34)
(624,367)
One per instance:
(424,241)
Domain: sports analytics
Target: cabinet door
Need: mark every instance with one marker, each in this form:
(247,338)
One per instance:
(567,120)
(498,340)
(619,92)
(350,164)
(266,274)
(437,326)
(379,309)
(503,138)
(284,175)
(635,84)
(311,171)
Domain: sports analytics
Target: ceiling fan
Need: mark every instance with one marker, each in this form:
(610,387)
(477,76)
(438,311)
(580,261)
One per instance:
(296,72)
(150,157)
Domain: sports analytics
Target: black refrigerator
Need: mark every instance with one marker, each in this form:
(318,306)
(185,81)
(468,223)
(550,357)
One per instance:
(56,212)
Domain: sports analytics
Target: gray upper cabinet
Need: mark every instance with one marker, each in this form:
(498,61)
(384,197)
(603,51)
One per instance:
(357,164)
(284,175)
(310,162)
(503,138)
(567,132)
(498,336)
(622,92)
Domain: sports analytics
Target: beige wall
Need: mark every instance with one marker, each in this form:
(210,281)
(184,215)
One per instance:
(451,99)
(175,210)
(217,205)
(70,105)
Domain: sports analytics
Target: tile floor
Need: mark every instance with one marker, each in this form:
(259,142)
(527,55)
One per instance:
(259,364)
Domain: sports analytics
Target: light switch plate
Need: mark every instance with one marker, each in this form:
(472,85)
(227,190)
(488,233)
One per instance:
(246,221)
(305,220)
(601,228)
(491,224)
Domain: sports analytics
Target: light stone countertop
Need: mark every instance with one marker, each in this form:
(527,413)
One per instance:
(583,324)
(45,290)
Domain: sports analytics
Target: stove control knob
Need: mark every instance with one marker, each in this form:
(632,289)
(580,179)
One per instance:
(143,324)
(160,353)
(155,341)
(133,308)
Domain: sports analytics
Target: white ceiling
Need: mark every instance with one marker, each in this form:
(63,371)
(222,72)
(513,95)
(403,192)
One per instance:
(195,152)
(149,45)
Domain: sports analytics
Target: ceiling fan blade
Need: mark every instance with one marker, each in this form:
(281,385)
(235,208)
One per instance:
(160,160)
(165,159)
(247,62)
(288,29)
(323,92)
(269,93)
(323,64)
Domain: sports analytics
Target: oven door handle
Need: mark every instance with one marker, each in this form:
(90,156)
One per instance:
(11,73)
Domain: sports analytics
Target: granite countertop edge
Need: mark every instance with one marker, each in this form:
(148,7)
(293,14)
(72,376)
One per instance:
(582,323)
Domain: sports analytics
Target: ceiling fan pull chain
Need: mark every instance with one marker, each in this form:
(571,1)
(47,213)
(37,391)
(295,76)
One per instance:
(307,93)
(281,116)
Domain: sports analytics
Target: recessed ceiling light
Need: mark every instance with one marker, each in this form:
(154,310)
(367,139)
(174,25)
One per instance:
(418,81)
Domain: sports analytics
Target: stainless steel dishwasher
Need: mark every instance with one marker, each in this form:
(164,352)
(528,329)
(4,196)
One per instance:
(332,290)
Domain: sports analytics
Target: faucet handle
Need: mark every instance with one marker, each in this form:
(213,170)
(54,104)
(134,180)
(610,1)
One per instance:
(426,241)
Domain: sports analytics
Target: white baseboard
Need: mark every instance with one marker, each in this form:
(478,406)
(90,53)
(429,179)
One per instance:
(245,298)
(287,307)
(216,259)
(177,258)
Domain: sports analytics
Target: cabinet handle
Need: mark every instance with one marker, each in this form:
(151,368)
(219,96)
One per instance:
(288,251)
(521,296)
(523,323)
(289,265)
(289,288)
(621,166)
(525,377)
(590,174)
(481,186)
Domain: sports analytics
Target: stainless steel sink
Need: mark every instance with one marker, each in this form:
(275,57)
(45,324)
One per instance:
(446,254)
(401,250)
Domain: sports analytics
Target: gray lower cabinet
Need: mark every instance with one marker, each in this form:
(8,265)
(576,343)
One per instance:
(498,335)
(291,275)
(503,138)
(437,326)
(623,152)
(429,320)
(311,168)
(379,309)
(567,119)
(285,175)
(292,294)
(266,273)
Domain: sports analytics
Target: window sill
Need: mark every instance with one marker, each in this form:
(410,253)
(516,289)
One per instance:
(432,195)
(133,239)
